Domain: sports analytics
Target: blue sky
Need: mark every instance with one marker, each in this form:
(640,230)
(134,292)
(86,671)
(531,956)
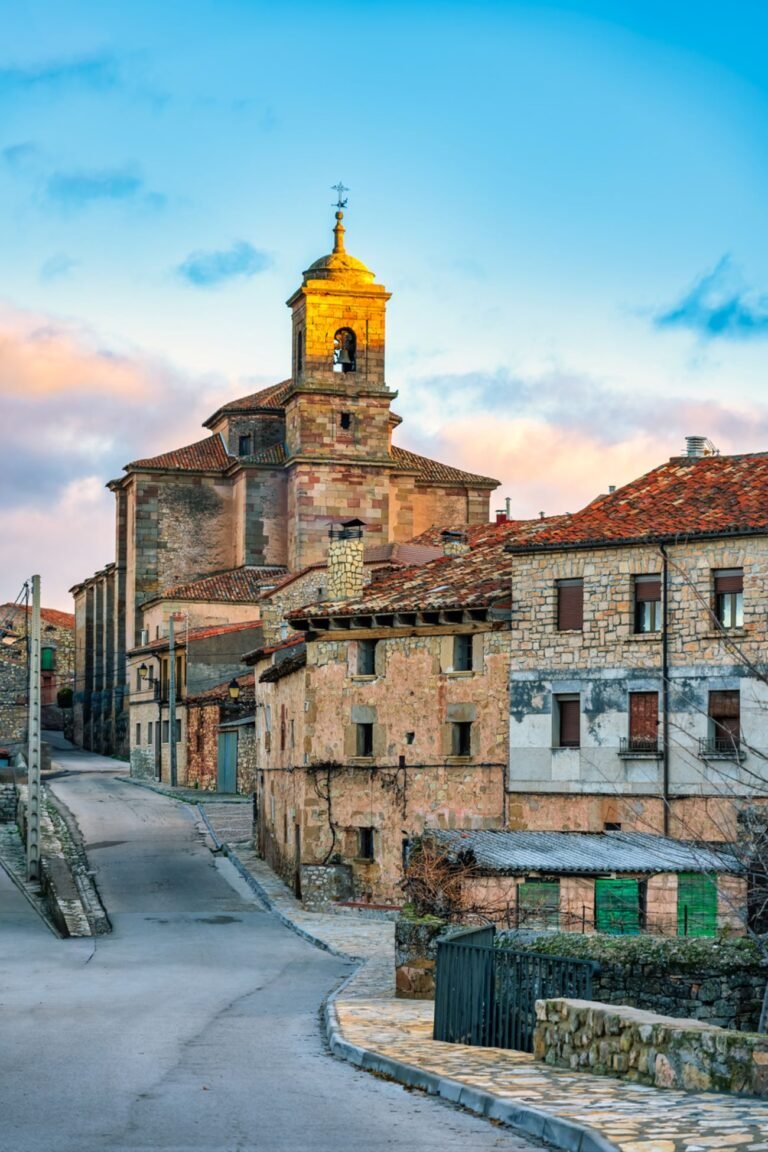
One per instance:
(566,201)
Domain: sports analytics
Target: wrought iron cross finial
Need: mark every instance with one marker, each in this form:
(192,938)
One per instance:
(340,190)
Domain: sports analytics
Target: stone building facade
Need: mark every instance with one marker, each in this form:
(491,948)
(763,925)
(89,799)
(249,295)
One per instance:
(259,492)
(57,659)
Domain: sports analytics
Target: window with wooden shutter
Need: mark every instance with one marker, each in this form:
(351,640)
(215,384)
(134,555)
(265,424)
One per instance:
(538,904)
(647,603)
(696,904)
(725,720)
(569,721)
(643,721)
(570,605)
(617,906)
(729,597)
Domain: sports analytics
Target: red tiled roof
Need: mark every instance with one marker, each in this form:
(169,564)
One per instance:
(49,615)
(689,496)
(262,653)
(182,636)
(433,472)
(207,455)
(271,398)
(221,691)
(274,454)
(406,553)
(284,667)
(477,579)
(234,586)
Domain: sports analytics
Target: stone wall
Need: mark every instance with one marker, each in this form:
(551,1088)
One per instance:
(322,885)
(345,568)
(142,763)
(8,803)
(649,1049)
(202,746)
(719,982)
(416,956)
(13,703)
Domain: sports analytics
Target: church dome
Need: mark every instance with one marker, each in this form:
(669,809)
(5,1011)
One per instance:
(339,265)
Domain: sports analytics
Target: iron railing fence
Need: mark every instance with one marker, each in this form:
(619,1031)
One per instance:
(487,996)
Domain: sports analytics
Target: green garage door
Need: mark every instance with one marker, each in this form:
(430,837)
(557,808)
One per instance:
(617,907)
(696,904)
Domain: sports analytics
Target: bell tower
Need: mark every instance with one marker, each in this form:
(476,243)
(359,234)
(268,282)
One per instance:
(337,415)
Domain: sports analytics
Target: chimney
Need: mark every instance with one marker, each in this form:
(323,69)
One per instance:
(455,542)
(501,516)
(345,560)
(698,446)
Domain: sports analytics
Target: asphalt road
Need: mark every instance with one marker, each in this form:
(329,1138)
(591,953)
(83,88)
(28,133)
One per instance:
(195,1026)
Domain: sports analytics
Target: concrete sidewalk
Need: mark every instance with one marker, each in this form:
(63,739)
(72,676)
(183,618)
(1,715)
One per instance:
(575,1112)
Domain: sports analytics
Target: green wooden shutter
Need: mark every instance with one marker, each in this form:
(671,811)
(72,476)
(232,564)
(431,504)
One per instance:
(539,904)
(617,907)
(696,904)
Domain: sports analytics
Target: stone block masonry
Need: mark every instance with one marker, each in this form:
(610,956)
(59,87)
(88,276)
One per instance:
(648,1049)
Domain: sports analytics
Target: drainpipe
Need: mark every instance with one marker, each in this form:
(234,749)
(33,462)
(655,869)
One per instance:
(665,684)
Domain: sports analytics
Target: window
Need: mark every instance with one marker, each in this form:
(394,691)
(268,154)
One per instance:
(570,605)
(647,604)
(729,597)
(618,906)
(568,720)
(345,420)
(410,737)
(366,657)
(696,904)
(244,445)
(365,845)
(461,738)
(178,731)
(149,733)
(462,653)
(138,735)
(48,659)
(538,904)
(166,730)
(612,826)
(344,350)
(643,722)
(299,349)
(724,722)
(365,739)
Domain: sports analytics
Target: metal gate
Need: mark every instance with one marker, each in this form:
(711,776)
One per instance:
(226,774)
(487,996)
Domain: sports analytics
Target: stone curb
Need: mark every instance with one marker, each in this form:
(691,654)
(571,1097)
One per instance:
(76,862)
(562,1134)
(187,796)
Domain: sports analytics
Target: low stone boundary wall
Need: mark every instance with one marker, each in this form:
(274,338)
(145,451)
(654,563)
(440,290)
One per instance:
(324,884)
(613,1040)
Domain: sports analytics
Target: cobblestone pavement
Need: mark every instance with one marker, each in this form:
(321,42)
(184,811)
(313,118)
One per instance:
(627,1117)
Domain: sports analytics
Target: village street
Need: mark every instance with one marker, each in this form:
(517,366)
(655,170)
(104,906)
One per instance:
(195,1025)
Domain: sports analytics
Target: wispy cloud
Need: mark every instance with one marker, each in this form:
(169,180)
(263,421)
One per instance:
(719,305)
(209,269)
(97,73)
(81,189)
(20,157)
(57,267)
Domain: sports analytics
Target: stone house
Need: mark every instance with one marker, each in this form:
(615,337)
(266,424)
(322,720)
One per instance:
(57,661)
(203,659)
(619,883)
(638,694)
(257,493)
(220,744)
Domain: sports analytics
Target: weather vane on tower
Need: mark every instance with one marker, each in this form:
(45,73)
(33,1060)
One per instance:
(340,190)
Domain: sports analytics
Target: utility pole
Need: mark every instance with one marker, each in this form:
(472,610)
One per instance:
(33,735)
(172,700)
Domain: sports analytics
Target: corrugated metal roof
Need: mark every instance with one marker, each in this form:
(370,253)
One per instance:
(582,852)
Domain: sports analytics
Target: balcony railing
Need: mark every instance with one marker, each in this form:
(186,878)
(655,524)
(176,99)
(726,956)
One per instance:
(721,748)
(639,746)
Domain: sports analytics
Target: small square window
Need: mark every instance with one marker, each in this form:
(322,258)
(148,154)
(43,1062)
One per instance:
(410,737)
(365,844)
(461,738)
(364,739)
(345,420)
(462,653)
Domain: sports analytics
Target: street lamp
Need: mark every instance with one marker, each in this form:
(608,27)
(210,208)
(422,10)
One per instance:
(234,688)
(143,671)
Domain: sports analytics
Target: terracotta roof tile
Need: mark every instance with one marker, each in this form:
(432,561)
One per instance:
(271,398)
(234,586)
(711,495)
(274,454)
(207,455)
(220,692)
(182,636)
(49,615)
(433,472)
(284,668)
(262,653)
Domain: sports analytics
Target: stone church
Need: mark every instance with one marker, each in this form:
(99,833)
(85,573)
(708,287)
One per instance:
(254,499)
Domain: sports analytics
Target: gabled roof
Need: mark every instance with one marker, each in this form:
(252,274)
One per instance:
(47,615)
(182,636)
(232,586)
(433,472)
(689,496)
(549,853)
(207,455)
(259,654)
(285,667)
(220,692)
(269,399)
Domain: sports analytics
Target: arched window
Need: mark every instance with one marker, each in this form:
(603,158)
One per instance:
(344,347)
(299,350)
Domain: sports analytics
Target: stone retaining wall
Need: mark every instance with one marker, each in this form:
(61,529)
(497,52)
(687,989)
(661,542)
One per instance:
(649,1049)
(8,803)
(324,884)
